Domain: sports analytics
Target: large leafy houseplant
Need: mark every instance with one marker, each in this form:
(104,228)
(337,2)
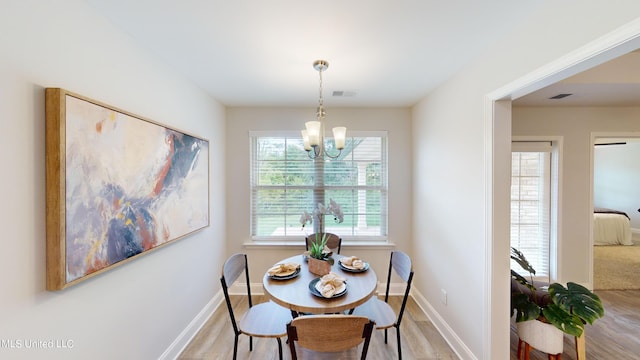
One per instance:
(569,308)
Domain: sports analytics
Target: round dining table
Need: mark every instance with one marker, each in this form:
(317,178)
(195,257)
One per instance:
(296,295)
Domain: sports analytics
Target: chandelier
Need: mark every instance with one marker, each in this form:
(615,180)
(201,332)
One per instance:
(313,135)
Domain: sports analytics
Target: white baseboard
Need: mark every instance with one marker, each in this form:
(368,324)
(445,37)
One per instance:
(185,337)
(181,342)
(443,328)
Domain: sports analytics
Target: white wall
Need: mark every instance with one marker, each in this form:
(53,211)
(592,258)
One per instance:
(137,310)
(240,121)
(576,125)
(454,198)
(616,170)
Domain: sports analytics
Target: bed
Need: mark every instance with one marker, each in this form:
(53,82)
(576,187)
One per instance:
(611,227)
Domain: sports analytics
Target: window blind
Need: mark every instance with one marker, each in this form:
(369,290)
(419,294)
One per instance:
(530,205)
(285,183)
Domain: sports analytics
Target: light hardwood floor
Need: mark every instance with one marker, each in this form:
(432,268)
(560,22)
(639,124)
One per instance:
(420,339)
(615,337)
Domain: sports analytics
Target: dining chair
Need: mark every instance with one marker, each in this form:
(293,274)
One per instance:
(334,242)
(267,320)
(380,311)
(329,334)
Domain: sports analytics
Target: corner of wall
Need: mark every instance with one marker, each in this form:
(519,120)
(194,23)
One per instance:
(186,335)
(454,341)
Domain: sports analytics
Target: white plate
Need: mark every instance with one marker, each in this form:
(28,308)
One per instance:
(339,292)
(286,275)
(353,269)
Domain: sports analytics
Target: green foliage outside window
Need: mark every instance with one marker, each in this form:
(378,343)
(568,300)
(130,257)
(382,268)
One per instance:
(283,187)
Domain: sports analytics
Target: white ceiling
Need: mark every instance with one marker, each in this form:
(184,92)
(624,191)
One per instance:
(380,53)
(260,53)
(614,83)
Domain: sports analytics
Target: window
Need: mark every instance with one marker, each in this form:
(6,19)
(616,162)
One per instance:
(285,183)
(531,194)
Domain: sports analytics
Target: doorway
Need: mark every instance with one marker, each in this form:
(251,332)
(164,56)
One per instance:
(614,162)
(499,120)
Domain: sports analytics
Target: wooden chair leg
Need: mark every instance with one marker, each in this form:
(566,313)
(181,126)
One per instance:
(520,349)
(581,353)
(527,349)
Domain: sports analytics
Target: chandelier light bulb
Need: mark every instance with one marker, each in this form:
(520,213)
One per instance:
(305,140)
(313,135)
(314,130)
(339,136)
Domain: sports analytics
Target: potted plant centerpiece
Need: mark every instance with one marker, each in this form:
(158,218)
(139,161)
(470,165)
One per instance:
(319,255)
(543,316)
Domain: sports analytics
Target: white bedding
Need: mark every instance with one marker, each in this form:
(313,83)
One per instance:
(611,229)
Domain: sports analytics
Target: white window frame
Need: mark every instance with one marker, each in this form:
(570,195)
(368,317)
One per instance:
(384,188)
(554,146)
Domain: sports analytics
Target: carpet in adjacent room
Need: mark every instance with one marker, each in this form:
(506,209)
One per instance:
(616,267)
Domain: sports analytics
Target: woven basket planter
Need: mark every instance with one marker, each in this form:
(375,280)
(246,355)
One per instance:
(319,267)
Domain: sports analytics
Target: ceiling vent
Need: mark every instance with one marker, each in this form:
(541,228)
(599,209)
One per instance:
(342,93)
(560,96)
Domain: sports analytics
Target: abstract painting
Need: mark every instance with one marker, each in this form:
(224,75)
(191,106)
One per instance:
(118,186)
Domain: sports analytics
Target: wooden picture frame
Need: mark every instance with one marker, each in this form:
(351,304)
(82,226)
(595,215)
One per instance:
(118,186)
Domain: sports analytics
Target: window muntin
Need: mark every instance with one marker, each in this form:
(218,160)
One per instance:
(285,182)
(531,206)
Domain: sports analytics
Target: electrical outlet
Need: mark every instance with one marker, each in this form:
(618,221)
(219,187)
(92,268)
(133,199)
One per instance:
(443,296)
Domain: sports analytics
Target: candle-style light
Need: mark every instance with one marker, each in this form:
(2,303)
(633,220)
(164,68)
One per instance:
(313,135)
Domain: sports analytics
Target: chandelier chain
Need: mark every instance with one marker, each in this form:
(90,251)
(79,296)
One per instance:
(313,135)
(320,99)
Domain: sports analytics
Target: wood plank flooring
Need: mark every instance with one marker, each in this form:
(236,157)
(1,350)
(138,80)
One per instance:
(420,339)
(615,337)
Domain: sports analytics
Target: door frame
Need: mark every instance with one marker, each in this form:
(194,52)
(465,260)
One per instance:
(497,134)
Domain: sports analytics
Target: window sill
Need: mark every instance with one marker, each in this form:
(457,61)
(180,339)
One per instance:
(378,245)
